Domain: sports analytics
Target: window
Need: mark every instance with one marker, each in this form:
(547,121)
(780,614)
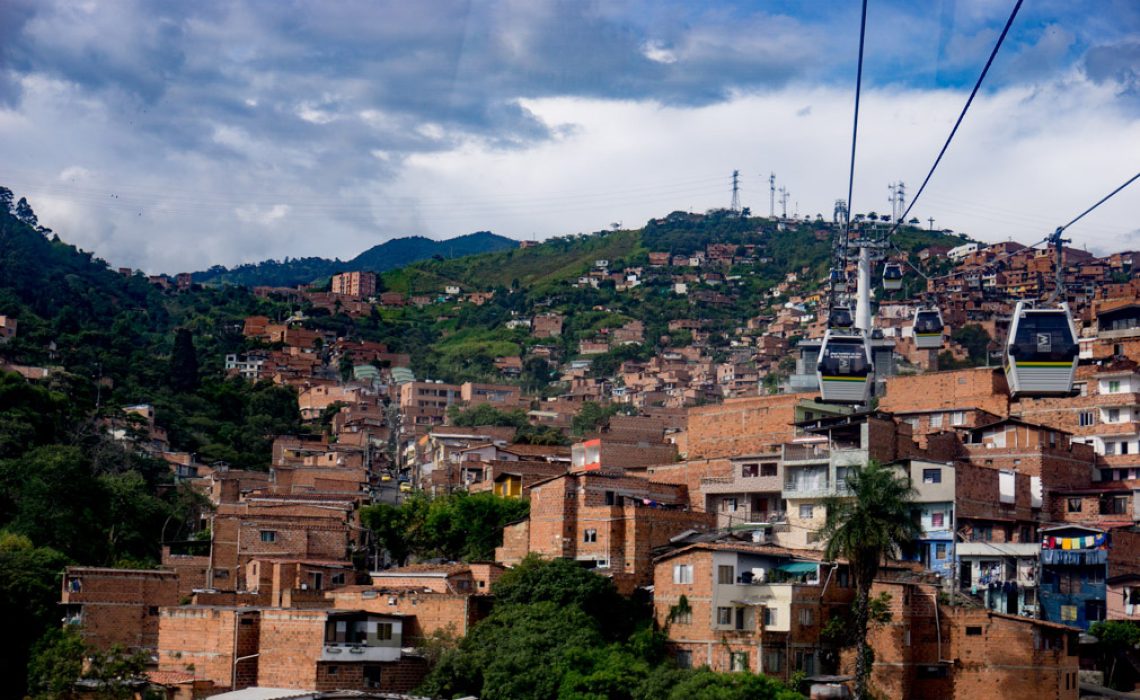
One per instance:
(770,617)
(932,476)
(939,551)
(768,469)
(268,535)
(1068,613)
(1094,610)
(590,536)
(724,616)
(936,420)
(982,533)
(1113,387)
(332,670)
(1073,504)
(372,676)
(684,658)
(1087,418)
(725,574)
(153,611)
(682,617)
(1095,575)
(682,573)
(739,661)
(1113,415)
(1115,505)
(958,418)
(728,505)
(805,661)
(611,498)
(748,470)
(973,631)
(773,660)
(805,617)
(337,579)
(807,511)
(1110,448)
(221,573)
(937,519)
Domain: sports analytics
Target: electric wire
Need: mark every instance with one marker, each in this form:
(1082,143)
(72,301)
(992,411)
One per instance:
(854,142)
(965,108)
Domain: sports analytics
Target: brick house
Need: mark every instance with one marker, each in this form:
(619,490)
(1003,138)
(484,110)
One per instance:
(929,650)
(336,650)
(546,326)
(356,285)
(117,606)
(747,607)
(294,527)
(218,644)
(605,520)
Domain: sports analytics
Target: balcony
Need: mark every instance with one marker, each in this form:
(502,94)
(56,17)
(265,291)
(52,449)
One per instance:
(742,484)
(350,653)
(806,454)
(809,488)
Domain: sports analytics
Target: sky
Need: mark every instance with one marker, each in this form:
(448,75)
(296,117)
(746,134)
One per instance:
(172,136)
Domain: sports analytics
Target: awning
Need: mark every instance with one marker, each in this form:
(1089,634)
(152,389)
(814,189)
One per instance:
(799,567)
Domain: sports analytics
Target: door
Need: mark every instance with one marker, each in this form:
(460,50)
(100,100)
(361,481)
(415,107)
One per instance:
(965,575)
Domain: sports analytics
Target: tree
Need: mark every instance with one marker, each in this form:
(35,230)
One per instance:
(1115,638)
(24,213)
(184,362)
(976,341)
(871,525)
(29,602)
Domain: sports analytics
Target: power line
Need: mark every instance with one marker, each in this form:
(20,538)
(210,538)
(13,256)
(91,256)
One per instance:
(965,108)
(855,125)
(1102,200)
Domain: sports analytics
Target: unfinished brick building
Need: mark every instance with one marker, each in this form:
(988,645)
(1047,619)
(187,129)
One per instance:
(605,520)
(117,606)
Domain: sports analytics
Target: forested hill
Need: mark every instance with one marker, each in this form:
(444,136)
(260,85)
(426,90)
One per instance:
(380,258)
(780,248)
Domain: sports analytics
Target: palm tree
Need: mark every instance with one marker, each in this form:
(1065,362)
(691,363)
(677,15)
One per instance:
(865,529)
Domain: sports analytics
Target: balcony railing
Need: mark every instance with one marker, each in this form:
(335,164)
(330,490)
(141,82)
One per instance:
(806,453)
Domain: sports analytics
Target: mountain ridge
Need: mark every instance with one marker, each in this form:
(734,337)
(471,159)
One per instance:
(380,258)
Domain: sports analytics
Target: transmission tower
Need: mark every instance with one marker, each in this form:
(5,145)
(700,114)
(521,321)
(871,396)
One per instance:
(735,191)
(772,196)
(784,201)
(892,191)
(900,200)
(840,214)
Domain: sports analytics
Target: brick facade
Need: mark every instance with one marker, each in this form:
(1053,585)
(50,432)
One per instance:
(118,606)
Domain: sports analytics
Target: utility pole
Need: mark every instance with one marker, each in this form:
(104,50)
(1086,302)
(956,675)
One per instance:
(772,196)
(735,191)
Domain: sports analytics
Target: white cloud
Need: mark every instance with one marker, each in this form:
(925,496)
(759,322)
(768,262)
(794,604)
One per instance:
(264,216)
(655,51)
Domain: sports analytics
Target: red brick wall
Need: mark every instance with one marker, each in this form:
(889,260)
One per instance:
(201,640)
(432,612)
(741,426)
(1001,656)
(120,606)
(291,643)
(981,388)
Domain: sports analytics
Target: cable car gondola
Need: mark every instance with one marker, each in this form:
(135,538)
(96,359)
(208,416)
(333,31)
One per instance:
(838,281)
(927,329)
(1041,350)
(840,317)
(892,277)
(844,369)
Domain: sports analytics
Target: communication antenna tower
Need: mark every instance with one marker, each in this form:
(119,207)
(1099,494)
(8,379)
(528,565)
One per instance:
(772,196)
(735,191)
(784,202)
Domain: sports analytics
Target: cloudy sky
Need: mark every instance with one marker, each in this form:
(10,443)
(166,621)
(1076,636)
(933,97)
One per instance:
(175,135)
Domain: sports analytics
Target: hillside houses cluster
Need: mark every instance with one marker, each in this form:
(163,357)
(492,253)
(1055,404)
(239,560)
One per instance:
(709,489)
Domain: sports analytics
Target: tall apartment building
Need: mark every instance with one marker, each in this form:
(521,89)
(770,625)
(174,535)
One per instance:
(359,285)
